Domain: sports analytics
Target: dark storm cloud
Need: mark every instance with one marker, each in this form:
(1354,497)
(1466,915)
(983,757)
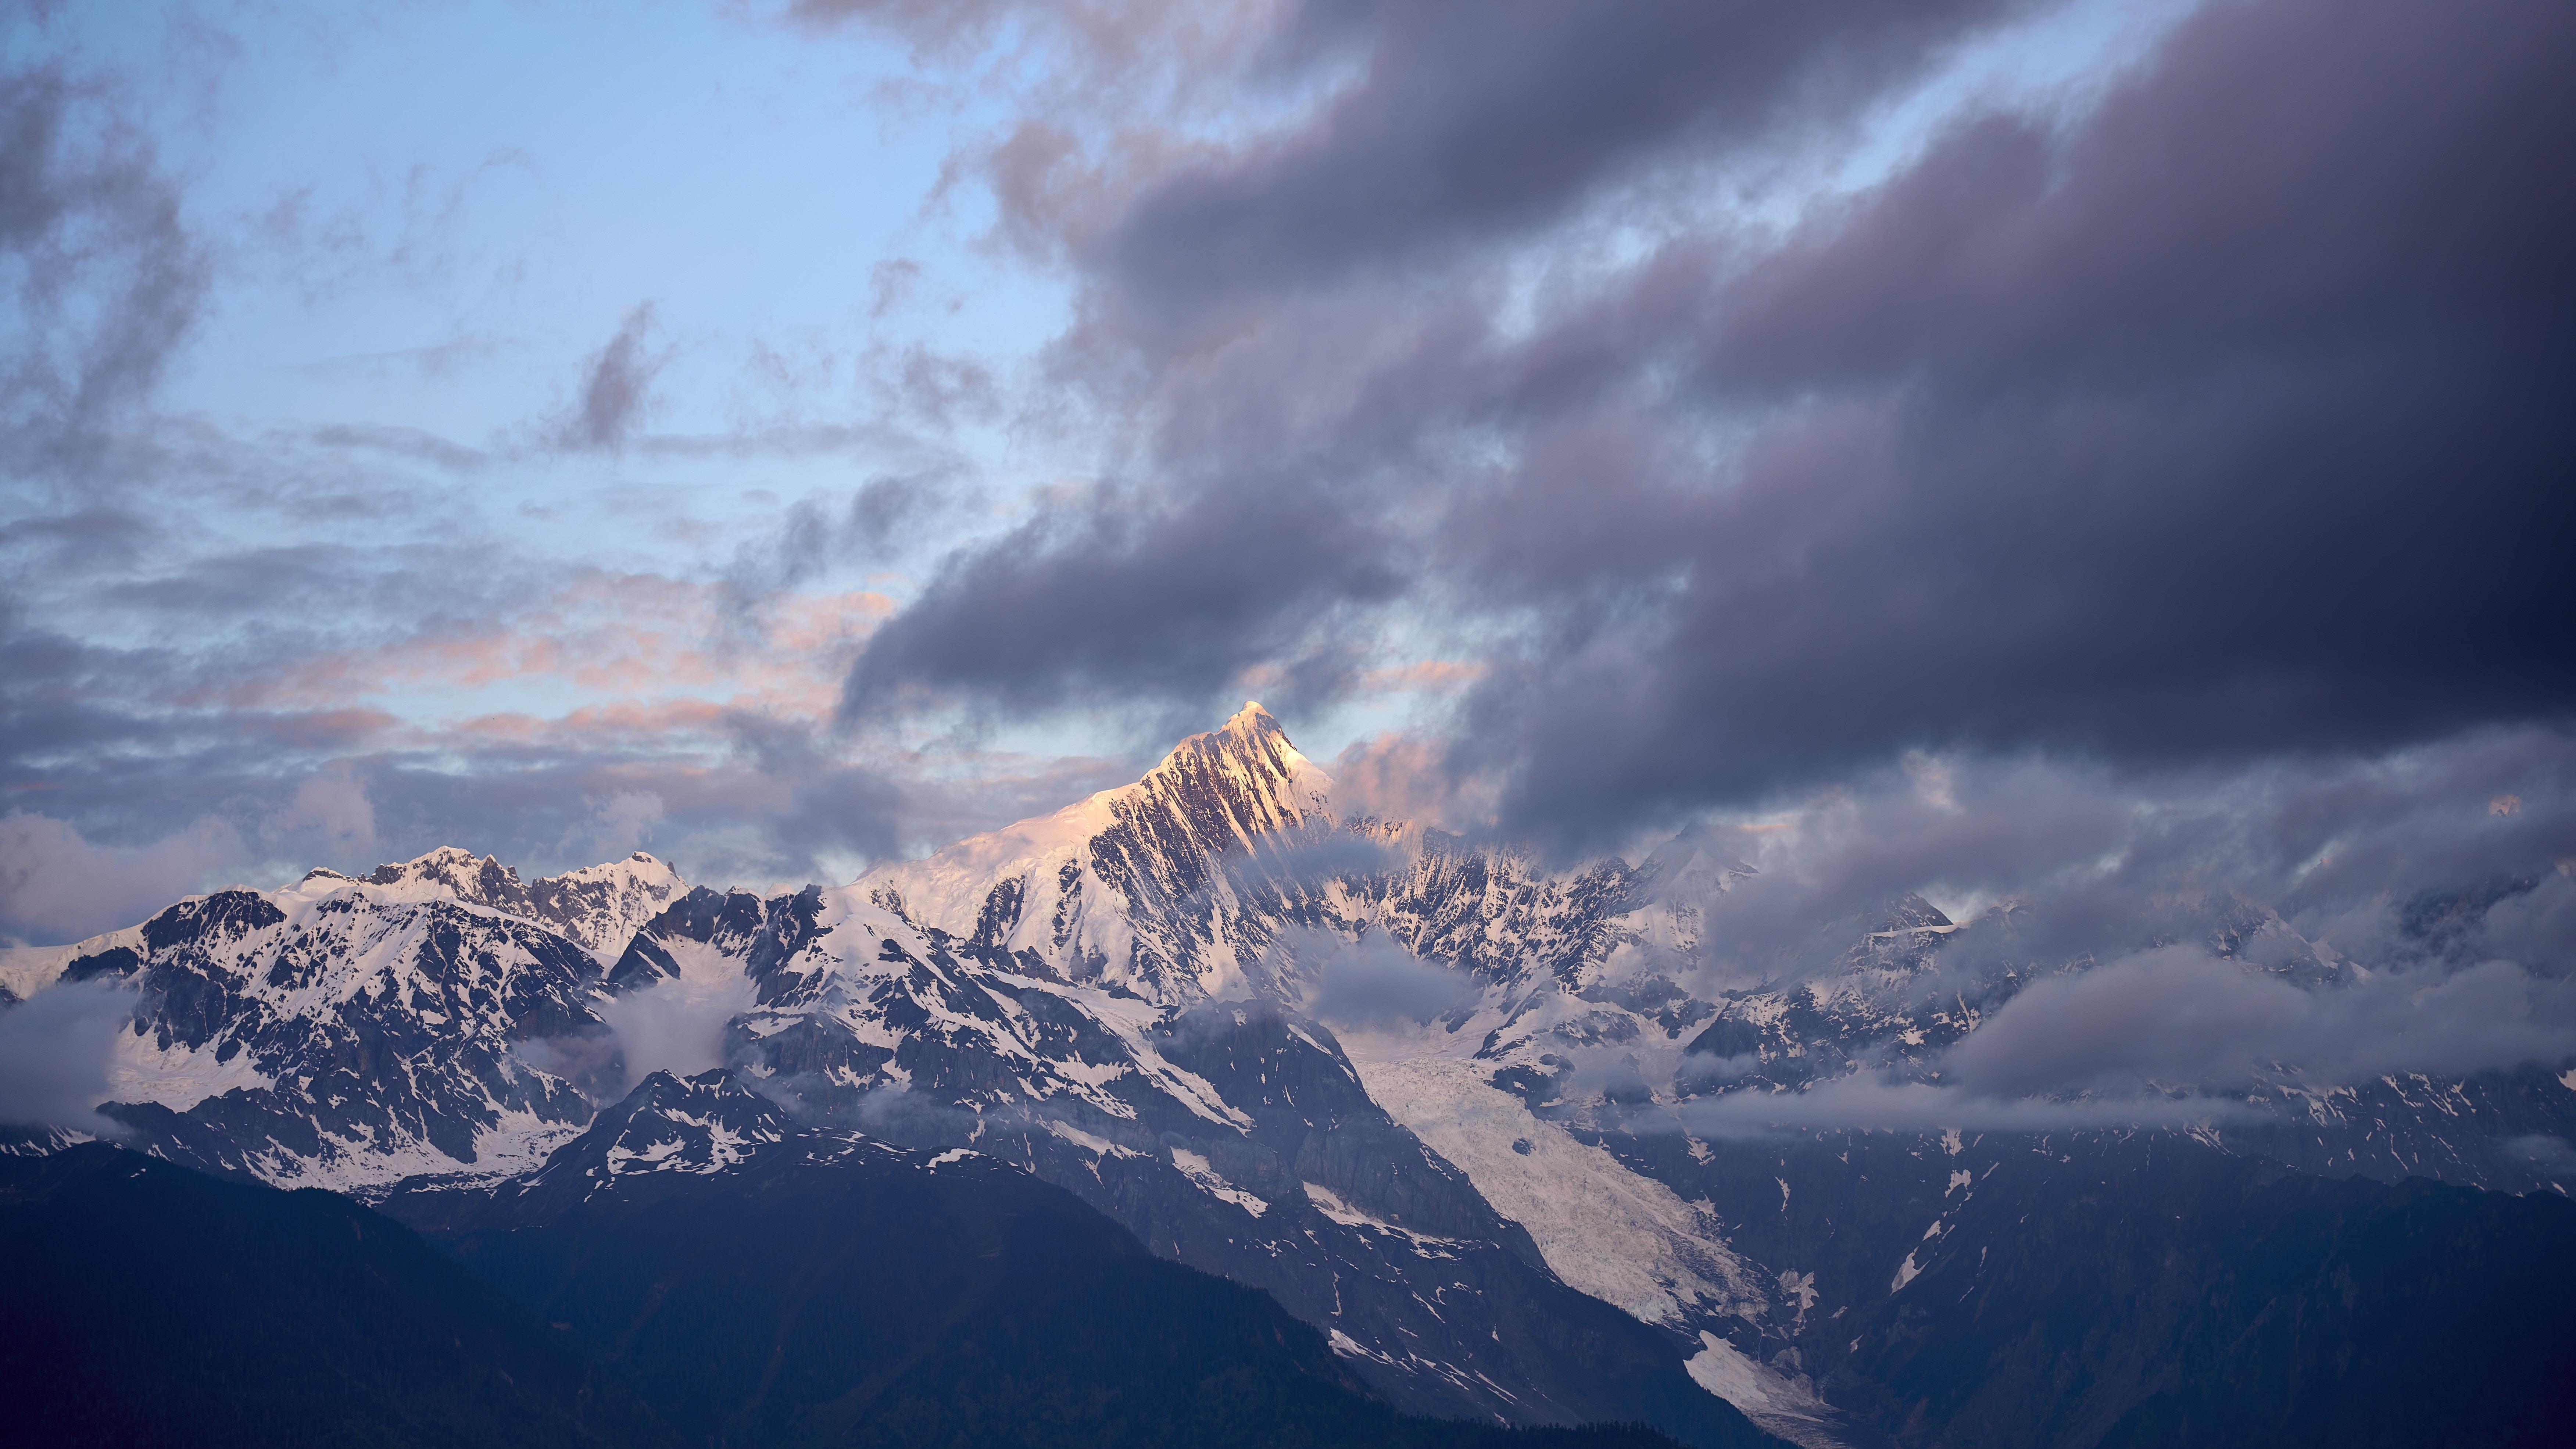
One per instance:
(2227,417)
(106,281)
(1465,120)
(2233,420)
(1114,590)
(1472,120)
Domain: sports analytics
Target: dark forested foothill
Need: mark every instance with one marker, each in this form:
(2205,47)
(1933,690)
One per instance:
(862,1302)
(146,1303)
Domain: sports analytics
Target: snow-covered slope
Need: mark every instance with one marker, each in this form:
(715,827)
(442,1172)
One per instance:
(1089,996)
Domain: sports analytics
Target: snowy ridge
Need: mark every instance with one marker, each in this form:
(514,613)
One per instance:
(339,1040)
(347,1032)
(599,906)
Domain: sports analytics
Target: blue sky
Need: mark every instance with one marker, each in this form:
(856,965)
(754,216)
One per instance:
(427,217)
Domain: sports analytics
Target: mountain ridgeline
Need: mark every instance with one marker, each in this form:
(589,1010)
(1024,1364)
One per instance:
(1096,1063)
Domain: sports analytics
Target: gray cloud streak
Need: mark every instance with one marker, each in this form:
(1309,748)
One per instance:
(1119,589)
(109,283)
(1869,1103)
(1472,122)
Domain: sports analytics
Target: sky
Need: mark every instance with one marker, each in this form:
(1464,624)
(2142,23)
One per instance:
(2094,450)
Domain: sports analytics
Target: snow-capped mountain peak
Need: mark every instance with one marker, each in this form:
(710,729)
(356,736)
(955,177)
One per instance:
(1249,765)
(447,873)
(600,906)
(1132,884)
(700,1124)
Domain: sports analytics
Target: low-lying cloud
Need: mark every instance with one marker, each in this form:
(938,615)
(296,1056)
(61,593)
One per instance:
(1377,983)
(55,1051)
(677,1024)
(1872,1103)
(56,885)
(2168,1038)
(2179,1016)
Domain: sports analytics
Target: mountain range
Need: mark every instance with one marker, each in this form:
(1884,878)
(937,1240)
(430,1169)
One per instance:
(1394,1127)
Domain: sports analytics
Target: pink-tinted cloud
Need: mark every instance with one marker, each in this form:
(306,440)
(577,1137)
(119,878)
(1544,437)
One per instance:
(1408,778)
(1428,676)
(56,885)
(617,635)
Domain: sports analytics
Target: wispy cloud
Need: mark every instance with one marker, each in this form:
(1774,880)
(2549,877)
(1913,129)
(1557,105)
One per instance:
(616,392)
